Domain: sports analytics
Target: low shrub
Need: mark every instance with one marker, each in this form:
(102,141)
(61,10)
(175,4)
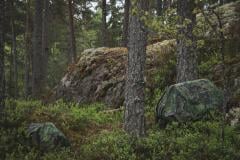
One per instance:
(97,134)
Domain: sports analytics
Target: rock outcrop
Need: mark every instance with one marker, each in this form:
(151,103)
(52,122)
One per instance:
(99,74)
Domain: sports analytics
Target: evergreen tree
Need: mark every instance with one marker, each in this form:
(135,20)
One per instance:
(134,123)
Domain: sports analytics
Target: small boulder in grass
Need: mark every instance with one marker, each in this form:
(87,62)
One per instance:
(46,136)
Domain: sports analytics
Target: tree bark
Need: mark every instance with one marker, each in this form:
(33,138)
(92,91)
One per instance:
(2,72)
(37,77)
(104,23)
(28,52)
(45,45)
(186,42)
(134,120)
(159,7)
(126,22)
(14,72)
(73,56)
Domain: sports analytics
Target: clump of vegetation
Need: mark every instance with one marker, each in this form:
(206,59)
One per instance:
(95,133)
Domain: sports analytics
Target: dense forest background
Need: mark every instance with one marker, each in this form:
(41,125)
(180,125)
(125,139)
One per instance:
(98,68)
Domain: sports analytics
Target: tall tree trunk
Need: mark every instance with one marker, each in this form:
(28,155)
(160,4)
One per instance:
(14,53)
(28,52)
(165,4)
(134,120)
(159,7)
(73,56)
(45,47)
(104,23)
(2,72)
(186,42)
(126,22)
(221,2)
(37,87)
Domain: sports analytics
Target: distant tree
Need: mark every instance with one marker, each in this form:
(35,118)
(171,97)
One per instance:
(45,39)
(37,77)
(28,50)
(13,63)
(2,72)
(159,7)
(73,55)
(104,23)
(134,120)
(186,42)
(126,22)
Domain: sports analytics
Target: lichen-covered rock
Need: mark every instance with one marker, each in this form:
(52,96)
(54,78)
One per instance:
(46,136)
(99,74)
(189,100)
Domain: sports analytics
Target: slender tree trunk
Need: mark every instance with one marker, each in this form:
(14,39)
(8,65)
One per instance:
(37,87)
(165,4)
(126,22)
(186,42)
(104,23)
(10,83)
(159,7)
(45,47)
(14,53)
(2,72)
(134,120)
(28,54)
(72,32)
(84,12)
(221,2)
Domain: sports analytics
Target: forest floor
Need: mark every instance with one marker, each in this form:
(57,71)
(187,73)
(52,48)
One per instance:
(95,132)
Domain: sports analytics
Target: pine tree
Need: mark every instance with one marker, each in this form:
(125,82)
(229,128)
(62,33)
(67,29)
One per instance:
(134,94)
(186,42)
(2,72)
(37,77)
(126,22)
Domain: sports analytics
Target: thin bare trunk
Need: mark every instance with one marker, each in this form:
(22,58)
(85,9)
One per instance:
(104,23)
(45,47)
(2,71)
(73,56)
(37,87)
(28,55)
(159,8)
(126,22)
(14,53)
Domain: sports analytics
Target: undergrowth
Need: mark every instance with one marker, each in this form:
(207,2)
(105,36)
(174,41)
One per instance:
(98,135)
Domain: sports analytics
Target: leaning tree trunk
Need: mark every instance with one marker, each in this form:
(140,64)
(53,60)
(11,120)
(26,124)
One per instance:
(2,72)
(37,77)
(28,51)
(104,24)
(134,120)
(73,56)
(186,42)
(126,23)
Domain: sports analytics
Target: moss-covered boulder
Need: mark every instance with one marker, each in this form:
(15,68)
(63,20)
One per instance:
(46,136)
(189,100)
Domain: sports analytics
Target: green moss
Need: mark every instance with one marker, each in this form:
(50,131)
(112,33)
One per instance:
(95,134)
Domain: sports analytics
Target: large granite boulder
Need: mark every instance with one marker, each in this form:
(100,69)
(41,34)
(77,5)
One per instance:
(99,74)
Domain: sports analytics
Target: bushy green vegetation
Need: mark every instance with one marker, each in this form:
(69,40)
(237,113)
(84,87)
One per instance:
(97,134)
